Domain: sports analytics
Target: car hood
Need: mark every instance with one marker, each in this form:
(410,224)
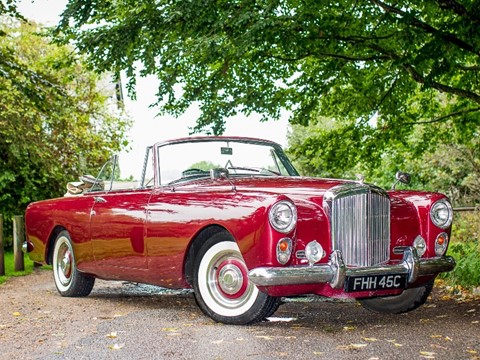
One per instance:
(289,186)
(296,187)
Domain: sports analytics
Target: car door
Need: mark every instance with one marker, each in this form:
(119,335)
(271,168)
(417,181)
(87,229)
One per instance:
(118,228)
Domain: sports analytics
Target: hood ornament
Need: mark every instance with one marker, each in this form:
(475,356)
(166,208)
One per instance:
(360,178)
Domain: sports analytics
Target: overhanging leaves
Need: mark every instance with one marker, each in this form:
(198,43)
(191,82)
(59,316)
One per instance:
(339,59)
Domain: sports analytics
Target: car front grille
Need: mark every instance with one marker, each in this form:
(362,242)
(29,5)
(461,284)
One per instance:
(360,223)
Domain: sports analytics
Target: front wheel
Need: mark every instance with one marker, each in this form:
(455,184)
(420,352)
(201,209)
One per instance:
(221,286)
(68,280)
(408,300)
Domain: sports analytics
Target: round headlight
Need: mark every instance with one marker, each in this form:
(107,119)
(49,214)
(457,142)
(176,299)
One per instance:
(283,216)
(441,214)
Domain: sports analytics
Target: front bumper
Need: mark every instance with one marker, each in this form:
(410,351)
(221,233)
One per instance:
(27,247)
(335,272)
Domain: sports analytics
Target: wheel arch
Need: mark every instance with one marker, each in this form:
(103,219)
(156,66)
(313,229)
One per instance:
(51,243)
(194,247)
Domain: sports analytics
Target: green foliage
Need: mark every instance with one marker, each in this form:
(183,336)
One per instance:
(372,87)
(466,272)
(465,248)
(455,169)
(205,166)
(9,7)
(444,157)
(55,123)
(399,63)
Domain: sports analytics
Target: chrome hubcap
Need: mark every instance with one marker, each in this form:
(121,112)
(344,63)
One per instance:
(64,264)
(230,279)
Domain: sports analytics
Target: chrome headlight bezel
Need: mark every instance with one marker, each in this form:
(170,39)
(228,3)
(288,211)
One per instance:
(283,216)
(441,213)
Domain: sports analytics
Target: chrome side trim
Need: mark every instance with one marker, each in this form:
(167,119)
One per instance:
(335,272)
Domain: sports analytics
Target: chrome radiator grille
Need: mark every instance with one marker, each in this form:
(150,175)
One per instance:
(360,223)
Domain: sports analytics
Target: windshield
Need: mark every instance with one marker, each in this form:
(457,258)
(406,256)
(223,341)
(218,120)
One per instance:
(194,159)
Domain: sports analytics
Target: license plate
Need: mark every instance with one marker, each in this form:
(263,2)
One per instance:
(376,282)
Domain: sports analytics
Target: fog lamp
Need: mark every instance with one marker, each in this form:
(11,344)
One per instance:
(284,250)
(314,252)
(441,244)
(420,244)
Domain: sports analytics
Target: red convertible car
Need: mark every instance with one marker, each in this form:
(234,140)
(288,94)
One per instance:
(231,218)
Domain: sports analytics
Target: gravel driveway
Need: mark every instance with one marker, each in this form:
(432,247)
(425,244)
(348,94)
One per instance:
(128,321)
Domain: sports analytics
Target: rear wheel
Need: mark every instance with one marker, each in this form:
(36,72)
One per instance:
(407,301)
(222,288)
(68,280)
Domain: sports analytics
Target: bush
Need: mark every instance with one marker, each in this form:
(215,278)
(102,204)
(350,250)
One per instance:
(465,248)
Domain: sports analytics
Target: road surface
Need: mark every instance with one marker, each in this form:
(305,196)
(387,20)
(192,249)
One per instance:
(129,321)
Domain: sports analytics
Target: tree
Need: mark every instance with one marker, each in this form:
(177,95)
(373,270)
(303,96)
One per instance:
(52,129)
(32,85)
(9,7)
(397,81)
(353,61)
(443,158)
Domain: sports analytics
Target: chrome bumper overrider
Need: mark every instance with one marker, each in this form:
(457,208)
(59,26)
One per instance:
(335,271)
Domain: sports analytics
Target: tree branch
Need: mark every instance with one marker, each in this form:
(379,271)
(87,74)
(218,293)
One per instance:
(329,55)
(388,92)
(427,28)
(421,80)
(444,88)
(457,8)
(443,118)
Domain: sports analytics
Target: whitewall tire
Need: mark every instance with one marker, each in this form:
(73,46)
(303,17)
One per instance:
(68,280)
(222,288)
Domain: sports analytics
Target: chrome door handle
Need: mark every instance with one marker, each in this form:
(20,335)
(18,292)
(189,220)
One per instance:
(99,199)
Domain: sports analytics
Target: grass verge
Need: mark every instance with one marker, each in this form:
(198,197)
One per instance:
(10,266)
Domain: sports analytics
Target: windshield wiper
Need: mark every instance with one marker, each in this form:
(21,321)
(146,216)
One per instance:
(254,169)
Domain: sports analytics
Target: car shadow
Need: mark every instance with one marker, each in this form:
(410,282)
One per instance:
(311,312)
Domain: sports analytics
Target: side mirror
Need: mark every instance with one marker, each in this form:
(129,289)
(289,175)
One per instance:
(401,177)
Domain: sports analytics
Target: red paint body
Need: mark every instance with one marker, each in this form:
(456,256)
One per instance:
(144,235)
